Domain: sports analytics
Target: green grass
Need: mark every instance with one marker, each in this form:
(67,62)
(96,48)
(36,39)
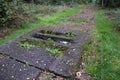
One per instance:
(26,45)
(48,21)
(104,63)
(42,21)
(70,35)
(55,51)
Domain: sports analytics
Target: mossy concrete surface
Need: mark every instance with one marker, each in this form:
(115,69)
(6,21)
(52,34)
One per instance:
(39,58)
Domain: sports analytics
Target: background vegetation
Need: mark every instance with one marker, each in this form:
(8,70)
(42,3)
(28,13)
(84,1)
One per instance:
(14,13)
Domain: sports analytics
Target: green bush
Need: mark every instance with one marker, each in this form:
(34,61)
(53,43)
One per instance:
(11,13)
(2,12)
(15,13)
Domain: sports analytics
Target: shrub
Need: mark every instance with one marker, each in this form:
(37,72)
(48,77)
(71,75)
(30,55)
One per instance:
(2,12)
(11,13)
(15,13)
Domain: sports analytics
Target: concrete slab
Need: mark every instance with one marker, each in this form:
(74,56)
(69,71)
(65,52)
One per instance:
(12,70)
(34,56)
(66,65)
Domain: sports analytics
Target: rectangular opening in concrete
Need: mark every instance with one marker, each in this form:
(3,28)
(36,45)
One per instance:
(58,39)
(50,47)
(67,34)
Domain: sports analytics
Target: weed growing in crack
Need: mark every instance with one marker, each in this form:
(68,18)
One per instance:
(27,63)
(26,45)
(54,51)
(50,40)
(69,35)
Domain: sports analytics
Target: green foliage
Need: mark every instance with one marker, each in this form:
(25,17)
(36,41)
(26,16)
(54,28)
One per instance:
(11,13)
(2,12)
(50,40)
(26,45)
(55,51)
(104,63)
(69,35)
(55,19)
(16,13)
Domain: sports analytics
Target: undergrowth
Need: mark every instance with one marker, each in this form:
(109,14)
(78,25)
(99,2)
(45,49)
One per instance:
(16,13)
(102,57)
(54,51)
